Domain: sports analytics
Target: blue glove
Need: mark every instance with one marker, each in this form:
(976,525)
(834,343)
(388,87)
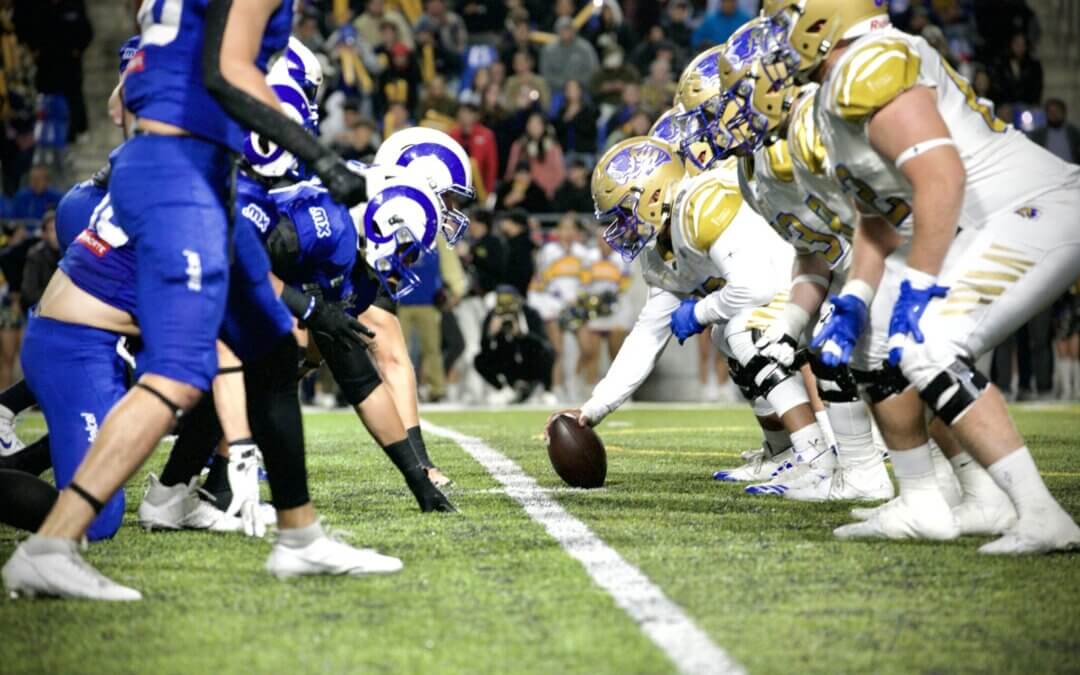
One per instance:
(683,322)
(906,313)
(841,330)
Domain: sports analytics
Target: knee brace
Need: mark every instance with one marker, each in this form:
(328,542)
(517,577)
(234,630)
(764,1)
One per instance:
(762,408)
(835,384)
(742,380)
(766,374)
(882,383)
(954,390)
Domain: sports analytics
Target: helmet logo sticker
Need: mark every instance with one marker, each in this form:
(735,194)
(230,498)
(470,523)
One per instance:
(636,162)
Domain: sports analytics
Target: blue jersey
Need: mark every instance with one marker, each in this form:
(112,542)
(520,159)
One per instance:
(325,234)
(100,262)
(164,82)
(74,211)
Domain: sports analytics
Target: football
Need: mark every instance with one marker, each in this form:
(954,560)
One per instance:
(576,453)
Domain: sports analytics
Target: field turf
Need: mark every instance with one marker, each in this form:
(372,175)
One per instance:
(488,590)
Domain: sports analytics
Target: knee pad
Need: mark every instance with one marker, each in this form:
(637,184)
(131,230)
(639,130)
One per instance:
(766,374)
(882,383)
(835,384)
(954,390)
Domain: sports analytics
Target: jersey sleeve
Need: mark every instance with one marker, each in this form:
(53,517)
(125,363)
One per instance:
(750,280)
(875,73)
(636,358)
(709,210)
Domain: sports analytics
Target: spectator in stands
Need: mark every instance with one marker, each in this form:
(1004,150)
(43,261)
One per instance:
(631,104)
(575,121)
(1018,76)
(485,257)
(358,140)
(479,144)
(607,84)
(307,30)
(37,197)
(563,9)
(540,151)
(569,57)
(998,21)
(41,261)
(474,92)
(419,316)
(434,58)
(680,32)
(400,78)
(574,194)
(638,125)
(500,120)
(520,265)
(1059,136)
(445,24)
(436,101)
(515,356)
(517,39)
(982,84)
(718,25)
(525,88)
(658,89)
(521,191)
(655,46)
(609,31)
(370,24)
(58,32)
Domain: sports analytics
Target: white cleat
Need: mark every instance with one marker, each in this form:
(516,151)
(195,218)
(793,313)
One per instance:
(1041,531)
(865,483)
(9,442)
(328,555)
(985,516)
(759,466)
(788,476)
(868,512)
(60,572)
(925,517)
(179,508)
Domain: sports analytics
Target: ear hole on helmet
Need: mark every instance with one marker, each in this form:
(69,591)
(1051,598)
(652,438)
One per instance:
(816,27)
(655,197)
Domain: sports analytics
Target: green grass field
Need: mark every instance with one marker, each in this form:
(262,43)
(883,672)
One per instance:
(487,590)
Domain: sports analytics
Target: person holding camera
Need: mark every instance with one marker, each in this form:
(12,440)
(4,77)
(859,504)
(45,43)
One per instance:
(515,356)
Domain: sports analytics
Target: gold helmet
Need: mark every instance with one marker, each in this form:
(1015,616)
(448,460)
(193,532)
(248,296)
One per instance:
(664,129)
(633,186)
(702,109)
(809,29)
(757,84)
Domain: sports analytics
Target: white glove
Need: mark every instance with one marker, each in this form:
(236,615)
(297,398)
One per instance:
(243,475)
(780,340)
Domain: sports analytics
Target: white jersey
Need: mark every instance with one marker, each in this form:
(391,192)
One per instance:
(722,252)
(1004,169)
(804,217)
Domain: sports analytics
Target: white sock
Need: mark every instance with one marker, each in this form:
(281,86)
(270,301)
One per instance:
(6,413)
(776,441)
(1018,476)
(914,470)
(947,481)
(975,482)
(823,422)
(299,537)
(854,434)
(811,448)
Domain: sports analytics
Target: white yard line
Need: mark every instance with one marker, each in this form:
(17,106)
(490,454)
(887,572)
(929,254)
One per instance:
(662,621)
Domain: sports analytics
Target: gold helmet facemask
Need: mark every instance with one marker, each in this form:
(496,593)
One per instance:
(805,31)
(701,103)
(664,129)
(632,187)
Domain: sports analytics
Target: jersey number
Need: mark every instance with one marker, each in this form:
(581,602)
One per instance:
(973,101)
(159,21)
(893,209)
(827,245)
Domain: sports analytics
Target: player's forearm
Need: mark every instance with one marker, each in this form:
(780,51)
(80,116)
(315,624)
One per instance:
(810,277)
(938,196)
(873,241)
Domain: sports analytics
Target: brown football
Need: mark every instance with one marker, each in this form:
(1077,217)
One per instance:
(576,453)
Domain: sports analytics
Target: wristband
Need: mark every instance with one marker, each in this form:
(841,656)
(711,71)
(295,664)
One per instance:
(860,289)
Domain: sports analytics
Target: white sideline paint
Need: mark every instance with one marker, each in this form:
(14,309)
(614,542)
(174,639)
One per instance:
(662,621)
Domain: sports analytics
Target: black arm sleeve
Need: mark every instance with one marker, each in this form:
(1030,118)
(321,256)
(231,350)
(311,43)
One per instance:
(283,246)
(297,302)
(255,115)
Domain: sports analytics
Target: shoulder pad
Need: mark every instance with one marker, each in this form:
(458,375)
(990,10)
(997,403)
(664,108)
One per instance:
(780,161)
(709,210)
(874,74)
(805,141)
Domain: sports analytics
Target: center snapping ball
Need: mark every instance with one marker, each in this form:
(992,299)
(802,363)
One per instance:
(576,453)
